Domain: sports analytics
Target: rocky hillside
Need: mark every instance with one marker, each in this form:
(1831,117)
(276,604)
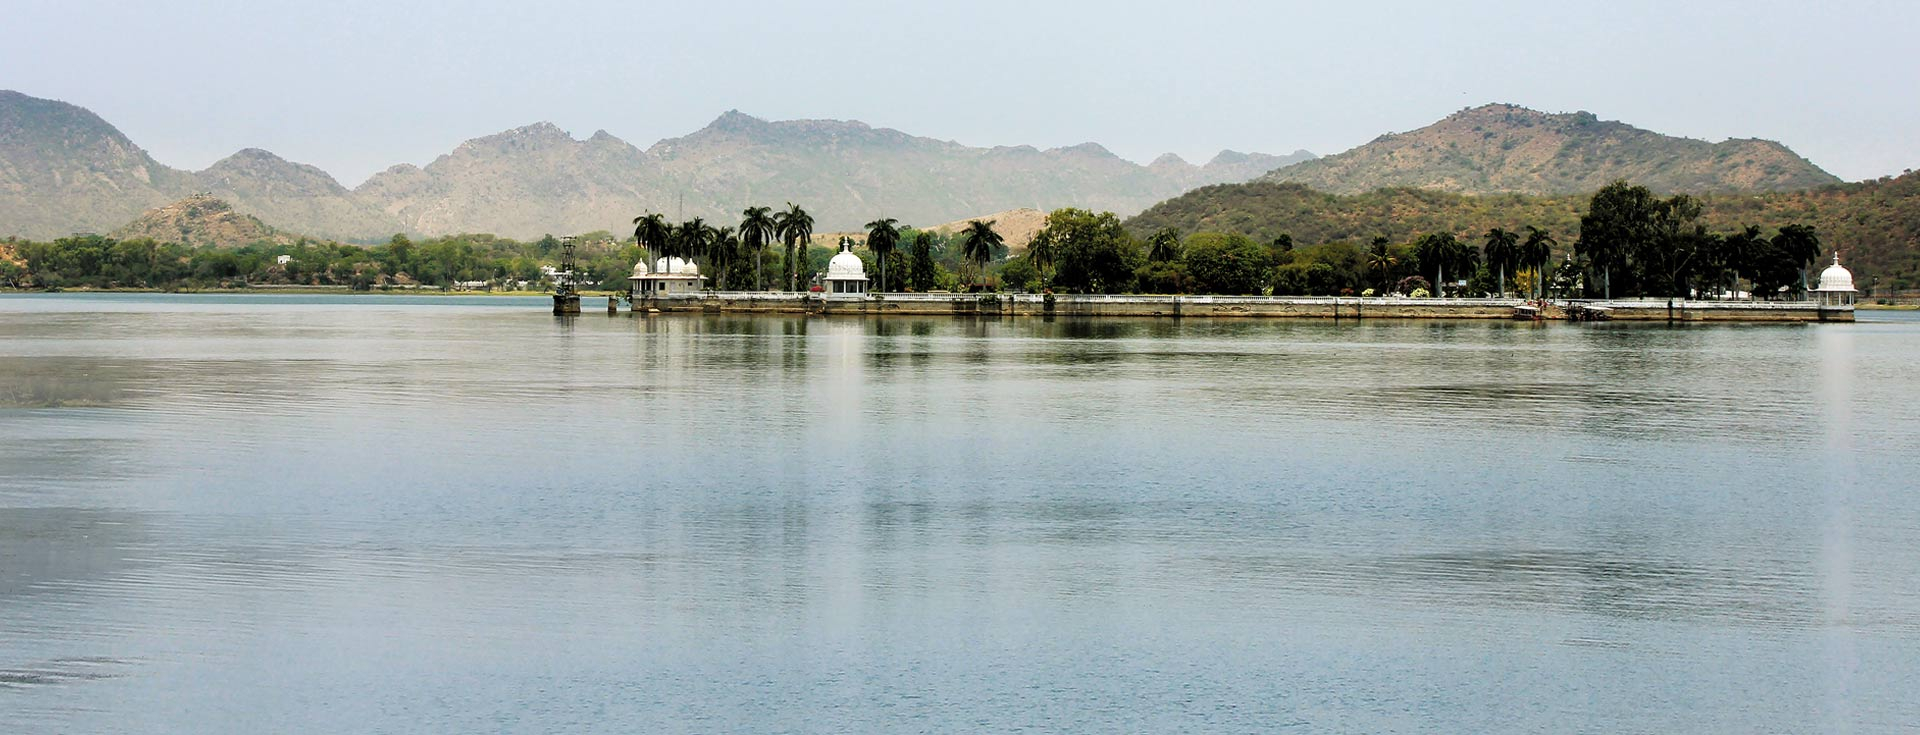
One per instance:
(63,169)
(200,221)
(538,179)
(281,191)
(1503,148)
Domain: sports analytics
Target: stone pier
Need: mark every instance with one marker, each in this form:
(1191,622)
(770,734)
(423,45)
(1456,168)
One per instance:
(1279,307)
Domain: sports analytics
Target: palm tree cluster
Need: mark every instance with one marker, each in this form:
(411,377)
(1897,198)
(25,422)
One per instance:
(1658,247)
(721,248)
(1441,250)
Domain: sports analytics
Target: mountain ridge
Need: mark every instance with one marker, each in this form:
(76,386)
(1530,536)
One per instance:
(1504,148)
(62,168)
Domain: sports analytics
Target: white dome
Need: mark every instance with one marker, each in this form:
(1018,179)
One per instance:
(1836,277)
(678,267)
(640,269)
(846,265)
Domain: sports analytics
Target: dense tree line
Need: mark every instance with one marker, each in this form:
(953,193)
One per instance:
(1631,243)
(92,261)
(1875,224)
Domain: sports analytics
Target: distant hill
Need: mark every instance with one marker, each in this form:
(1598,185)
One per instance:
(1016,227)
(1875,224)
(1504,148)
(200,221)
(64,169)
(296,194)
(537,179)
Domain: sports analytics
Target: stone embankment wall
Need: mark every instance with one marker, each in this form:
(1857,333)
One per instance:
(735,302)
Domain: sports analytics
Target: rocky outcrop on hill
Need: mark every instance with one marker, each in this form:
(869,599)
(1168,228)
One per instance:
(200,221)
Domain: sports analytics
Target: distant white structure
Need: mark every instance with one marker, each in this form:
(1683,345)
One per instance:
(667,276)
(283,260)
(846,273)
(1836,285)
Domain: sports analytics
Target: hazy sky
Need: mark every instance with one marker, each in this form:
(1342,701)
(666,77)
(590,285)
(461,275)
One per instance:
(355,86)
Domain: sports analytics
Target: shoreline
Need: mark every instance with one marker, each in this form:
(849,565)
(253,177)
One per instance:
(1097,305)
(1229,307)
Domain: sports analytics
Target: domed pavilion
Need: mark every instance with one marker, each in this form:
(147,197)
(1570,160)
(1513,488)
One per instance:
(846,273)
(668,276)
(1836,285)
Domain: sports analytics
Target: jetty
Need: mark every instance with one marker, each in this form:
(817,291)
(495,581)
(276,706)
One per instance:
(1202,306)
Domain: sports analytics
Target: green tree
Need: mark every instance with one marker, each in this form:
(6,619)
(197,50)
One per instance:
(757,230)
(1503,250)
(882,238)
(1042,251)
(1619,218)
(924,273)
(1439,250)
(796,230)
(1092,252)
(1224,263)
(652,232)
(723,248)
(1535,251)
(978,244)
(1163,246)
(1800,245)
(1672,255)
(1381,262)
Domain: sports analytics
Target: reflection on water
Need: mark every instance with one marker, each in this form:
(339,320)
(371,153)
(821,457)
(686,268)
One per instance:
(390,514)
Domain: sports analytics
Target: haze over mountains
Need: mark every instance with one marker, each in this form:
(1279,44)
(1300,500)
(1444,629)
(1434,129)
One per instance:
(64,169)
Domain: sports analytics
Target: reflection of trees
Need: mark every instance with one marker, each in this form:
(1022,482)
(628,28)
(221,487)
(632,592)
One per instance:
(1594,582)
(54,382)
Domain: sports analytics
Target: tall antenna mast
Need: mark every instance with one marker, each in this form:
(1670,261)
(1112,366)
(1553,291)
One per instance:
(565,299)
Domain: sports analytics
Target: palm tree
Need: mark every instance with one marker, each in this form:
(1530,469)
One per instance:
(1436,249)
(795,227)
(757,229)
(882,238)
(1381,261)
(1043,251)
(690,240)
(1502,249)
(652,232)
(1535,252)
(1801,245)
(1163,246)
(1743,250)
(979,244)
(722,247)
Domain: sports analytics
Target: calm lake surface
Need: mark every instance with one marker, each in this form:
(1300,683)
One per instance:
(333,514)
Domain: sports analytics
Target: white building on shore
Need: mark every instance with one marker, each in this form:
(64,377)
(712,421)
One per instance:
(846,273)
(667,276)
(1836,285)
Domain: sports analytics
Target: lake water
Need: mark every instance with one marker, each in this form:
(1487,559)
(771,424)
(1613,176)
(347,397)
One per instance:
(396,515)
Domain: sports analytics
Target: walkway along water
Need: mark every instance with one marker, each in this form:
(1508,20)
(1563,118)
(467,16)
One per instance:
(1324,307)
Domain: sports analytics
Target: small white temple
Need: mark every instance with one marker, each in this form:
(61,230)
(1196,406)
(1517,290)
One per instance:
(667,276)
(846,273)
(1836,285)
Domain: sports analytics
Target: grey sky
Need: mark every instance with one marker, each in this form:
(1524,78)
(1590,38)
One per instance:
(355,86)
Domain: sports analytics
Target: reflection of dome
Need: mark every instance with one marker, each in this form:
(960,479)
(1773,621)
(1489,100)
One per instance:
(1836,277)
(677,267)
(846,265)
